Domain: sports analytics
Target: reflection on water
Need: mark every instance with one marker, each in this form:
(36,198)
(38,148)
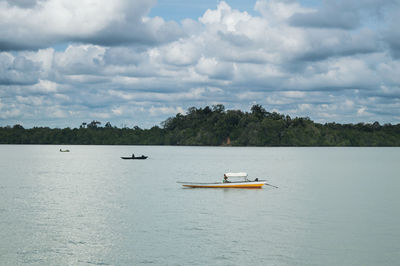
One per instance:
(333,206)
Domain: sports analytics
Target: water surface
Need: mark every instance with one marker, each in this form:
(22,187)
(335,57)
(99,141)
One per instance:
(334,206)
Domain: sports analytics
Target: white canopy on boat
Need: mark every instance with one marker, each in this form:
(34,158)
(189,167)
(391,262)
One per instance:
(236,174)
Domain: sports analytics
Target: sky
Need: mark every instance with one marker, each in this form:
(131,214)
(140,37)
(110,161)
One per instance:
(138,62)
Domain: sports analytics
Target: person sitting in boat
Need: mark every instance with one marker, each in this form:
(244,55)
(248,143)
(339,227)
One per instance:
(133,155)
(226,179)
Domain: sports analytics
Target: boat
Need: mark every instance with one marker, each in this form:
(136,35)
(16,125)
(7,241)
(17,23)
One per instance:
(133,157)
(64,150)
(226,183)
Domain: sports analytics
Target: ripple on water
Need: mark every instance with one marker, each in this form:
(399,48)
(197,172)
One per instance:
(147,262)
(93,262)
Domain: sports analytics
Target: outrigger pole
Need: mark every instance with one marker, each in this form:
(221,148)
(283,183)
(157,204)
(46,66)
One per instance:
(271,185)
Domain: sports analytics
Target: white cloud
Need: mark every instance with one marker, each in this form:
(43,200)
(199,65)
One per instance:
(31,100)
(361,111)
(276,11)
(213,68)
(125,63)
(181,53)
(44,86)
(117,111)
(57,21)
(304,106)
(294,94)
(164,110)
(348,104)
(17,70)
(81,59)
(342,14)
(224,16)
(10,113)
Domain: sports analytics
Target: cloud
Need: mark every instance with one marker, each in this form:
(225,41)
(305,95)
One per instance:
(133,69)
(322,45)
(214,69)
(391,34)
(17,70)
(40,24)
(342,19)
(11,113)
(341,14)
(80,60)
(166,110)
(125,56)
(22,3)
(44,86)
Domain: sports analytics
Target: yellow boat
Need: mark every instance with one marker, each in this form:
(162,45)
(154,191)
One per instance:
(245,183)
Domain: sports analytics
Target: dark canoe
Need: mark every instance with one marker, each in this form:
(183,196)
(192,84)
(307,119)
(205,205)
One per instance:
(135,158)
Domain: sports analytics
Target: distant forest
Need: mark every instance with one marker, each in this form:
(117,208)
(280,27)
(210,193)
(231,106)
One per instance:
(214,126)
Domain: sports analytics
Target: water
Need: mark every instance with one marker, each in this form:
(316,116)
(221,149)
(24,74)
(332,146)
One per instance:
(334,206)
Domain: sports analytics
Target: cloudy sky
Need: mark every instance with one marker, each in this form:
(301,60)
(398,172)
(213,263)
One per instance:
(138,62)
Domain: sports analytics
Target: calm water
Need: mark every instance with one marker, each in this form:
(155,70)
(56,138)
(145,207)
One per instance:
(334,206)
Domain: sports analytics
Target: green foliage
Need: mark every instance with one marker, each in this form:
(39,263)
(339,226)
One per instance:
(214,126)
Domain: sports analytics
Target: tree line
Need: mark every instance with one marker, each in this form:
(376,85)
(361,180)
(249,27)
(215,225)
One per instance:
(214,126)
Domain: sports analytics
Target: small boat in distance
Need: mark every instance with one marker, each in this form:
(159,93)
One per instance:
(64,150)
(226,183)
(135,158)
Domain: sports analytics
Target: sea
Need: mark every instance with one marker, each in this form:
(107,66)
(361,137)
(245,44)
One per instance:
(333,206)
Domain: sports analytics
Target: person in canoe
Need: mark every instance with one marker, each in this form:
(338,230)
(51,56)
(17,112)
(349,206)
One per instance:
(226,179)
(133,155)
